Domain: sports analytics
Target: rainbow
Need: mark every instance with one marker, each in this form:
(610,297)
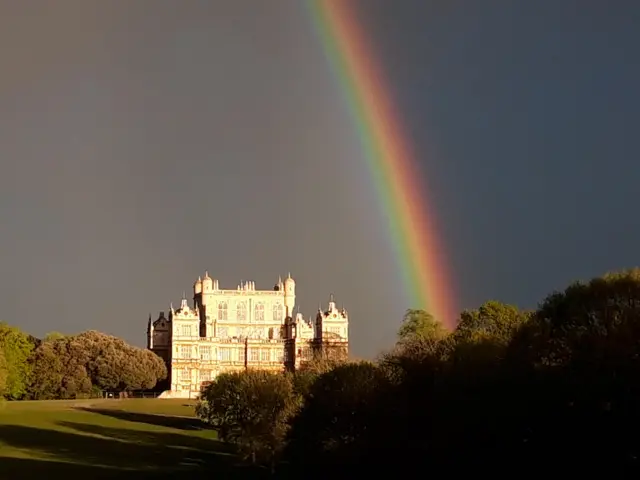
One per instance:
(395,172)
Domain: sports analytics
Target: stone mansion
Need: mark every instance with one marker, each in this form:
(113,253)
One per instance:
(230,330)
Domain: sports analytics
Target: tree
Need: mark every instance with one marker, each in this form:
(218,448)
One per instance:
(250,409)
(594,321)
(59,370)
(493,321)
(418,324)
(16,348)
(115,365)
(339,410)
(577,375)
(72,366)
(482,336)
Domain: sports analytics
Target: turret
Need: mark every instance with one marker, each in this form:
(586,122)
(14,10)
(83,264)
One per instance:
(150,333)
(197,287)
(207,283)
(184,305)
(332,304)
(289,295)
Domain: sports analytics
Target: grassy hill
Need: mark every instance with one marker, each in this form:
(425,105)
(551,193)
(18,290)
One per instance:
(141,438)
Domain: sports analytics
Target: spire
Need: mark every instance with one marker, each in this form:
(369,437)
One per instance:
(289,275)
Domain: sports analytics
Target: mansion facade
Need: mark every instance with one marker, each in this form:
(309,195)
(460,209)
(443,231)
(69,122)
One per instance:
(227,330)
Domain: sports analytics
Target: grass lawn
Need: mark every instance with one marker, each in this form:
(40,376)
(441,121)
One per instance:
(137,438)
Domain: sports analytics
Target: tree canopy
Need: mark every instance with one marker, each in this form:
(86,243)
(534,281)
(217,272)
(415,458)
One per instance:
(418,325)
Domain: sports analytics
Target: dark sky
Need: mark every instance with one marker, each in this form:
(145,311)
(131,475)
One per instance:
(144,142)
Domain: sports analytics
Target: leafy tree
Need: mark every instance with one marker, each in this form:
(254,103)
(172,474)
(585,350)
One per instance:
(418,324)
(72,366)
(493,321)
(250,409)
(16,347)
(115,365)
(482,336)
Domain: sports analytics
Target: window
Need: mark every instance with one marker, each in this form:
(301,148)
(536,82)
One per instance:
(335,330)
(241,355)
(242,332)
(222,311)
(259,312)
(205,375)
(280,356)
(241,312)
(185,374)
(254,354)
(278,315)
(186,330)
(185,351)
(264,355)
(223,332)
(205,353)
(224,354)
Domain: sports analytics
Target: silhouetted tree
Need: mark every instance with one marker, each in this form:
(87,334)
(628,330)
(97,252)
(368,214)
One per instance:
(332,428)
(578,368)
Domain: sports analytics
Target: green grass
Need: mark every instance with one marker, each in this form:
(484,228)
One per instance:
(145,438)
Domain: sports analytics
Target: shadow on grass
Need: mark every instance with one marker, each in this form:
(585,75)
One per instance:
(158,439)
(117,454)
(181,423)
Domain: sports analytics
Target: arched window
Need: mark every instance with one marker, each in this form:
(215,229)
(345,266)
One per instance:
(241,312)
(278,315)
(222,311)
(259,312)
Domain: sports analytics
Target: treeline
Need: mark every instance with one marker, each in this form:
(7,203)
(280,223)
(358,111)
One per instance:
(72,366)
(555,390)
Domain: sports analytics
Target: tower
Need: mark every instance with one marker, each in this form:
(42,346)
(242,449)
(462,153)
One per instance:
(331,331)
(150,334)
(289,296)
(159,337)
(197,292)
(203,299)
